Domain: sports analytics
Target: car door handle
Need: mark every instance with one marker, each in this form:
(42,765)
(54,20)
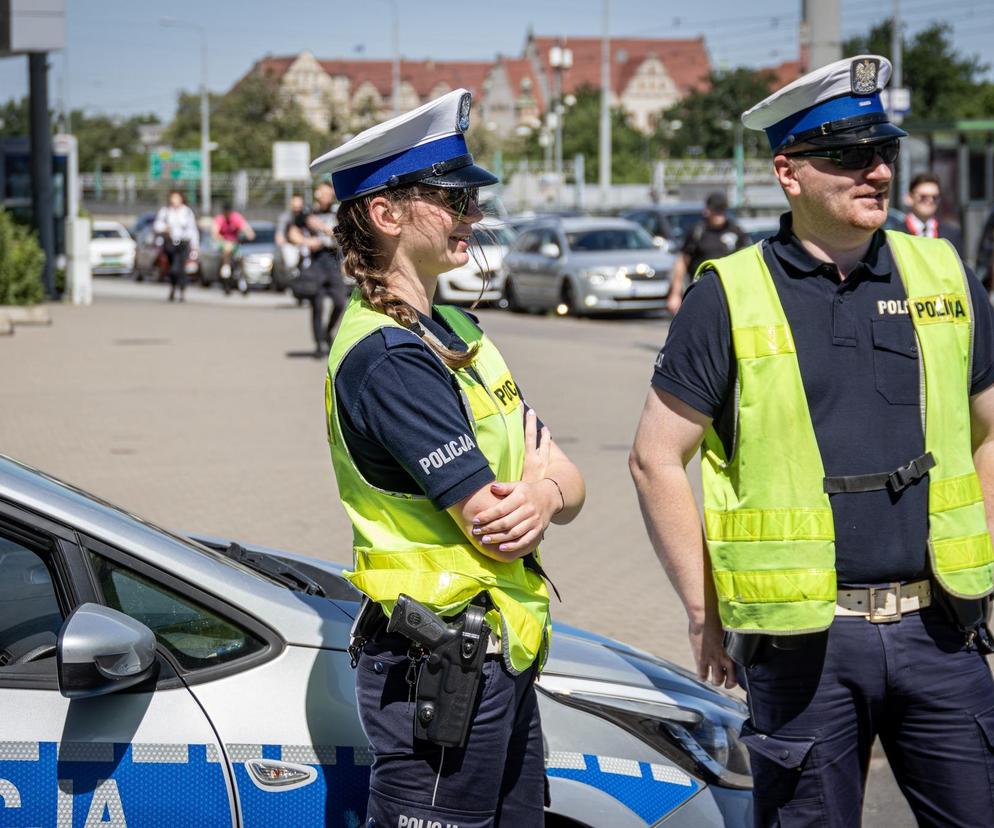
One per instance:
(272,775)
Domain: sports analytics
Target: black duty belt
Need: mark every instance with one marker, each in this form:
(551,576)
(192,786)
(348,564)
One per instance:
(896,480)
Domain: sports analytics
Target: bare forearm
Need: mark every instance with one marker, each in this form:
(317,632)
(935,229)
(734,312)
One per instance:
(983,459)
(674,527)
(569,481)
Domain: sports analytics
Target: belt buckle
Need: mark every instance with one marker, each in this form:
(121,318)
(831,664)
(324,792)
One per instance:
(876,617)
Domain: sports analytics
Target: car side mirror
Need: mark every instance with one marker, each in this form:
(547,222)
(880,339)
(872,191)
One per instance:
(101,650)
(550,250)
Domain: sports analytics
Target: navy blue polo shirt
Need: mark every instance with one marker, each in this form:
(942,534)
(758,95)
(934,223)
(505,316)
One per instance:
(859,365)
(400,413)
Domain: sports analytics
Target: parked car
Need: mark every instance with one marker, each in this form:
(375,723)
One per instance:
(759,227)
(150,261)
(586,265)
(112,250)
(252,264)
(155,680)
(669,221)
(481,278)
(144,220)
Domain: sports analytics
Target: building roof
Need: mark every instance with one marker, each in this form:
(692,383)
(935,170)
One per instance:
(686,60)
(784,73)
(519,69)
(422,75)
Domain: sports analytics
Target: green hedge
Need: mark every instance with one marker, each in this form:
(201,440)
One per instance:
(21,264)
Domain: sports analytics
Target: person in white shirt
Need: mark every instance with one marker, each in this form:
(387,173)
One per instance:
(177,225)
(923,201)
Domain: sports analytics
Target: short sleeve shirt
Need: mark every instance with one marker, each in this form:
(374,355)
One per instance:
(397,405)
(705,242)
(858,357)
(228,227)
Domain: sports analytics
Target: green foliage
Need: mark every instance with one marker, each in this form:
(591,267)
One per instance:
(14,117)
(244,123)
(632,152)
(944,84)
(21,263)
(703,124)
(97,136)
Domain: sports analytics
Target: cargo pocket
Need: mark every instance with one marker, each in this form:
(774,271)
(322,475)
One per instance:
(895,361)
(783,795)
(985,721)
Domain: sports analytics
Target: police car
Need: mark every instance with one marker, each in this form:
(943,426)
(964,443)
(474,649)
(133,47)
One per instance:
(149,679)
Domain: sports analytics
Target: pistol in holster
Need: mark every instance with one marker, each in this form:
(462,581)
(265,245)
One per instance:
(450,674)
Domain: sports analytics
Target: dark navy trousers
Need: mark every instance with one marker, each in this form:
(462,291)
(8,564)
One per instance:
(816,709)
(496,779)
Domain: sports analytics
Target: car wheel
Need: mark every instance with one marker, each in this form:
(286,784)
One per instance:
(513,302)
(568,306)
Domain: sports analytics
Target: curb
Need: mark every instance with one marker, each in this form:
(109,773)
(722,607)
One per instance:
(26,314)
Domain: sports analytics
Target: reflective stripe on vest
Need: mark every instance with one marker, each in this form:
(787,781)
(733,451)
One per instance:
(768,521)
(401,542)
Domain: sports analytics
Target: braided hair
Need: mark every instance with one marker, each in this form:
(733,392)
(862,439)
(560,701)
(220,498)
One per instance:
(362,260)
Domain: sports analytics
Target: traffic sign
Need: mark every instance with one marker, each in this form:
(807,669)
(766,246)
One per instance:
(896,101)
(178,165)
(291,161)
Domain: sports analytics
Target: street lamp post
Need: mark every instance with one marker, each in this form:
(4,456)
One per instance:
(560,59)
(205,125)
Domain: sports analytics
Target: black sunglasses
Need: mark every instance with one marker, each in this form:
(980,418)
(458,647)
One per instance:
(858,157)
(457,199)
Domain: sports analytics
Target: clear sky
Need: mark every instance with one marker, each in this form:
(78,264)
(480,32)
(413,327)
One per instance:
(119,60)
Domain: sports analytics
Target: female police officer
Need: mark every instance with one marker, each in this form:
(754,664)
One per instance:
(447,483)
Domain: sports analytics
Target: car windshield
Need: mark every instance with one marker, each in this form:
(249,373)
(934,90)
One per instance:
(490,236)
(610,238)
(111,233)
(264,235)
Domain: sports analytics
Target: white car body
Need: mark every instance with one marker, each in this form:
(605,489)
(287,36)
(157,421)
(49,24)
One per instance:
(482,277)
(112,250)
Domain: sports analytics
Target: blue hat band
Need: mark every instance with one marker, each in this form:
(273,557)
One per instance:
(376,175)
(825,112)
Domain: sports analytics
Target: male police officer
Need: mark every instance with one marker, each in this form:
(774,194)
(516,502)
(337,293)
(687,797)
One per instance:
(841,381)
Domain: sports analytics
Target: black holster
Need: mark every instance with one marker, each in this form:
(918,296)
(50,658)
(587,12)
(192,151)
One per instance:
(450,674)
(743,648)
(970,615)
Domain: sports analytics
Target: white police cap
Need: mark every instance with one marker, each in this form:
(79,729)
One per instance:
(426,145)
(836,105)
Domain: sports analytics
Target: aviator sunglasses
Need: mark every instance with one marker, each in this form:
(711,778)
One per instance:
(457,199)
(858,157)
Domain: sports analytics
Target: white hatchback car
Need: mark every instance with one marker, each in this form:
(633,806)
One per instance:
(112,250)
(482,277)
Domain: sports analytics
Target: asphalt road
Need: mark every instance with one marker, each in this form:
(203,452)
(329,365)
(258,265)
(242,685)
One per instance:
(208,416)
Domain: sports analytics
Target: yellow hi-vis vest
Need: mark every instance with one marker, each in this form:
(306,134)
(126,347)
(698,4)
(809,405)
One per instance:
(402,543)
(768,521)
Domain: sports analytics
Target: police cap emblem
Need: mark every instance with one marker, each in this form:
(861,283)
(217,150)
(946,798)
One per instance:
(863,76)
(462,120)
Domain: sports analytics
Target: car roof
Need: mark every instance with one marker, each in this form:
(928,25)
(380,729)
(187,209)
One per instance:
(103,224)
(581,224)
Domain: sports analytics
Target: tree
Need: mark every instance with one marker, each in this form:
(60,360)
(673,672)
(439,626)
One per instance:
(244,123)
(944,84)
(703,123)
(21,262)
(632,151)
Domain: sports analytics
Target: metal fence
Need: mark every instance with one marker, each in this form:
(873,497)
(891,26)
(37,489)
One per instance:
(528,186)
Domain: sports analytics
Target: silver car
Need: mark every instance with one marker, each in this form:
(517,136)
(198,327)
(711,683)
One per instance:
(151,680)
(582,266)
